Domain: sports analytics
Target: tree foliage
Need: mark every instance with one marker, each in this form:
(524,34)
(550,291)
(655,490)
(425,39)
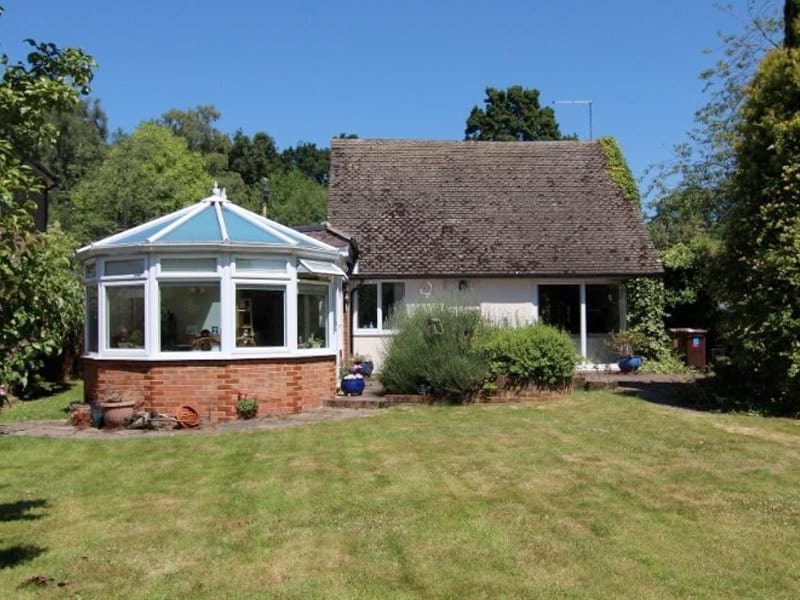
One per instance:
(196,126)
(694,190)
(761,259)
(296,200)
(40,301)
(254,158)
(512,115)
(80,146)
(144,175)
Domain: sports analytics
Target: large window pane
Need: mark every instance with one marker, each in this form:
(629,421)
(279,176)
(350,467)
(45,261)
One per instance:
(91,319)
(559,305)
(190,316)
(125,320)
(312,316)
(602,308)
(367,298)
(260,317)
(392,297)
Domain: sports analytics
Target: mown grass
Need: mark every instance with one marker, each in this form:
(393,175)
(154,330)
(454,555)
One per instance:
(43,409)
(595,496)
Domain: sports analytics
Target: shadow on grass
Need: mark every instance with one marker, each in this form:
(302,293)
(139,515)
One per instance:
(20,510)
(702,394)
(47,390)
(16,555)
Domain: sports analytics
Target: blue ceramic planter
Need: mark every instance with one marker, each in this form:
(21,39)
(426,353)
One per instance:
(353,387)
(629,364)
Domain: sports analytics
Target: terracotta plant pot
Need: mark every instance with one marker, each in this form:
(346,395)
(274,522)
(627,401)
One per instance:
(115,414)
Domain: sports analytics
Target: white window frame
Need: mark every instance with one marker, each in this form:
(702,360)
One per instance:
(288,345)
(329,331)
(104,345)
(91,282)
(228,279)
(101,267)
(155,327)
(260,274)
(583,335)
(378,329)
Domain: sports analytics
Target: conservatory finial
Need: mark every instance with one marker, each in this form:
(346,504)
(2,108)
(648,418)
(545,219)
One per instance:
(224,195)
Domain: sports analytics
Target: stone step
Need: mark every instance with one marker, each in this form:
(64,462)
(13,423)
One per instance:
(374,401)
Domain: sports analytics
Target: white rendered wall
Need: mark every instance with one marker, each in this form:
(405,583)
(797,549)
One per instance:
(514,301)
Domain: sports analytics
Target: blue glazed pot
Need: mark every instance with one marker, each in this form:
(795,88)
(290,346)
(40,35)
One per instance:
(367,367)
(629,364)
(353,387)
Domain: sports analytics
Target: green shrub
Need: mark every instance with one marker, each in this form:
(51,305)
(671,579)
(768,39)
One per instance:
(538,354)
(433,351)
(246,407)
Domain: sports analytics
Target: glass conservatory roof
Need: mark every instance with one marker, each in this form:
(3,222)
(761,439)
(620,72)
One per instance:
(213,220)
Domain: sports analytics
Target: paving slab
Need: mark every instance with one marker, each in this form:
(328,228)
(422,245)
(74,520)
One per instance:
(62,429)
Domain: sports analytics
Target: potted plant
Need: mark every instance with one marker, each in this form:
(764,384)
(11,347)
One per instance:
(626,342)
(246,407)
(352,382)
(116,411)
(366,364)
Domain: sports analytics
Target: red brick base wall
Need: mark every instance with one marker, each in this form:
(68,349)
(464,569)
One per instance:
(281,386)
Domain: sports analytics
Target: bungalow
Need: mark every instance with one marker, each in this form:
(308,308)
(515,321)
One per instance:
(525,230)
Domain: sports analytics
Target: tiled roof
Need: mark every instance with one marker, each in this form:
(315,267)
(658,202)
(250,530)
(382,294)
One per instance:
(428,208)
(324,233)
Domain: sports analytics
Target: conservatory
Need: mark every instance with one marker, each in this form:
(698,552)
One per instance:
(210,302)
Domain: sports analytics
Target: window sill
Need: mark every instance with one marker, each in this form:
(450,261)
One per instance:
(373,332)
(212,356)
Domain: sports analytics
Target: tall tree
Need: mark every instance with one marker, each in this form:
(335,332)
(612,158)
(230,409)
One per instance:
(297,200)
(254,158)
(313,162)
(81,143)
(761,258)
(511,115)
(40,297)
(196,126)
(693,190)
(144,175)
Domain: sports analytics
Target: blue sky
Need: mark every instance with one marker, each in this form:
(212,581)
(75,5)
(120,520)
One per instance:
(308,70)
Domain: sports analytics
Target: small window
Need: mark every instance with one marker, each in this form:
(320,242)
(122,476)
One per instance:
(391,298)
(124,267)
(376,302)
(312,316)
(125,316)
(367,298)
(249,265)
(92,319)
(190,316)
(189,264)
(260,317)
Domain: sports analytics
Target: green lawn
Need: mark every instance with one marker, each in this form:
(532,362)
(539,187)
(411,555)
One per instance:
(53,407)
(596,496)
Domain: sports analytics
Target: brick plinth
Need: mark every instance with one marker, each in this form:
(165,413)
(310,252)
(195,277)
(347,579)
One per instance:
(280,385)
